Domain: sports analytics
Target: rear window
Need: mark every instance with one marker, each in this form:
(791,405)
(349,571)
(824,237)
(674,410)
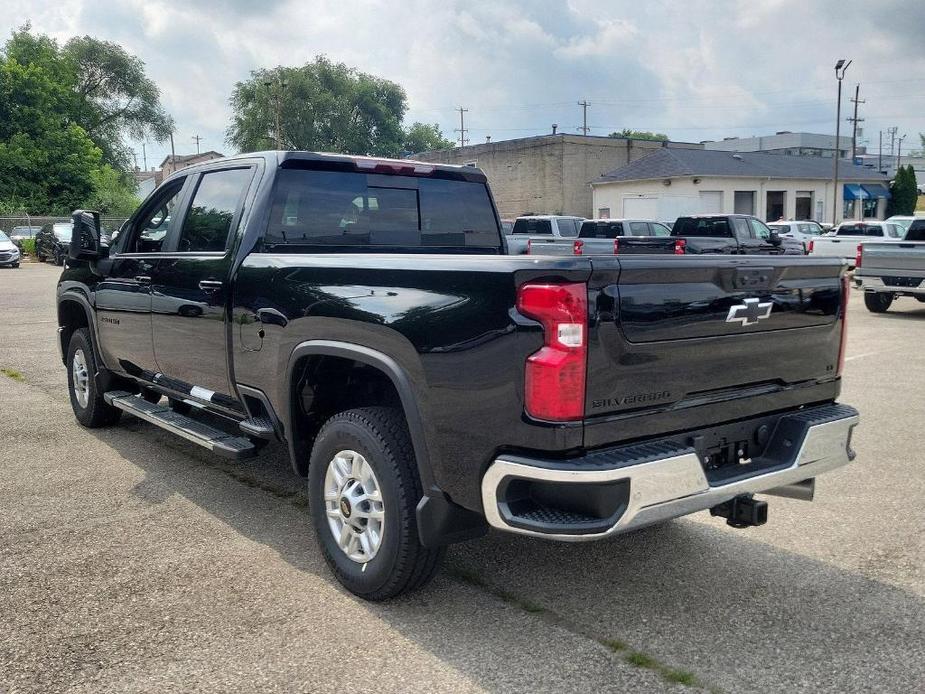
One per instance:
(916,231)
(532,226)
(690,226)
(601,230)
(337,208)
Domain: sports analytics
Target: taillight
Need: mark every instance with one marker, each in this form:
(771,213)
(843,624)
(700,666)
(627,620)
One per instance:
(810,249)
(858,256)
(577,246)
(680,245)
(845,293)
(554,378)
(616,246)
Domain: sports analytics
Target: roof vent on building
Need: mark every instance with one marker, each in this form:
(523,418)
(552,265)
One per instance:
(729,138)
(784,132)
(737,156)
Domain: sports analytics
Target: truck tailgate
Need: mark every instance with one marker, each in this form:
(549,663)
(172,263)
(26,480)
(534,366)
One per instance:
(674,333)
(894,258)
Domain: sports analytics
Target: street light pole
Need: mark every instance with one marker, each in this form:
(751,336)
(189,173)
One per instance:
(840,68)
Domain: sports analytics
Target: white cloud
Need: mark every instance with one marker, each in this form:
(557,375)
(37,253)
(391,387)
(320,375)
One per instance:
(700,70)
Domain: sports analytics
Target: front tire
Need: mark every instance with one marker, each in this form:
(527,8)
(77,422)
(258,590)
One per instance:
(87,401)
(364,487)
(877,302)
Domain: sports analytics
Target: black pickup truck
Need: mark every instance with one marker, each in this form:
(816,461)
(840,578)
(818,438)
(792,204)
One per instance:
(428,386)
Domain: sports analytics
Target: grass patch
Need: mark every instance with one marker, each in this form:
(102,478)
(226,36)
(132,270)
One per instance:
(522,603)
(615,645)
(681,677)
(470,577)
(14,374)
(642,660)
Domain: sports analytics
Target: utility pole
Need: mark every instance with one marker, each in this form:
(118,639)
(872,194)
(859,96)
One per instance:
(584,119)
(173,154)
(144,156)
(880,153)
(892,132)
(135,157)
(899,153)
(462,127)
(197,139)
(855,120)
(840,68)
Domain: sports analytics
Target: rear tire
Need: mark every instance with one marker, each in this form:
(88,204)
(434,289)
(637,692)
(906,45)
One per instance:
(877,302)
(87,401)
(365,455)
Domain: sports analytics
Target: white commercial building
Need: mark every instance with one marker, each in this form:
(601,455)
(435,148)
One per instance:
(670,183)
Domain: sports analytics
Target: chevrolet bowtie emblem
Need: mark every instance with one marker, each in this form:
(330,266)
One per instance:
(749,312)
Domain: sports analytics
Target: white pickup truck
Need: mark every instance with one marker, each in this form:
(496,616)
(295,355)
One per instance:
(892,269)
(537,229)
(843,241)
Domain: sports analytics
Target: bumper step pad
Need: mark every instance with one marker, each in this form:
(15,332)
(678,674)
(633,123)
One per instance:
(209,437)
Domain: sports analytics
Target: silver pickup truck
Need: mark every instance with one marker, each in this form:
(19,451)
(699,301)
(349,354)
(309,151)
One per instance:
(886,270)
(538,229)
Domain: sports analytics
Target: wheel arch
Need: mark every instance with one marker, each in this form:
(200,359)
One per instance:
(382,363)
(74,312)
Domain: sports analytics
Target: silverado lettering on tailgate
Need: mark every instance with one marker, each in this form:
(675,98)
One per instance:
(637,399)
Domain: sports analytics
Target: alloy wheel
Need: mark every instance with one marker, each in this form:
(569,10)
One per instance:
(353,506)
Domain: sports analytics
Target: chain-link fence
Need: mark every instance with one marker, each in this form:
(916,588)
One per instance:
(8,223)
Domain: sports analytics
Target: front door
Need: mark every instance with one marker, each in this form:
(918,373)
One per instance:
(189,290)
(123,296)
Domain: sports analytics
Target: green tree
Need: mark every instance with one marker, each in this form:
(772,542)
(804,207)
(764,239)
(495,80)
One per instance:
(903,192)
(113,192)
(639,135)
(46,161)
(106,90)
(320,106)
(423,137)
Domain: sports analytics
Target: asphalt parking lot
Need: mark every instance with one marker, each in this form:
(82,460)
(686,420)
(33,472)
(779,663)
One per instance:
(131,560)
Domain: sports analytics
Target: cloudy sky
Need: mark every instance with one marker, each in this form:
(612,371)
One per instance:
(704,70)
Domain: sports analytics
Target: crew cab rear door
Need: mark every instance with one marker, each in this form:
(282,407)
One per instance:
(190,286)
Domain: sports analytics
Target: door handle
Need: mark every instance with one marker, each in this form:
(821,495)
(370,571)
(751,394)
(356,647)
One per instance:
(143,279)
(210,285)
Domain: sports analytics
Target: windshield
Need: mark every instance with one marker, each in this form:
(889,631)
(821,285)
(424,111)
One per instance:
(694,226)
(63,232)
(4,237)
(904,223)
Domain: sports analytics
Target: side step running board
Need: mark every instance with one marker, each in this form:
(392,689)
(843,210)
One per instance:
(190,429)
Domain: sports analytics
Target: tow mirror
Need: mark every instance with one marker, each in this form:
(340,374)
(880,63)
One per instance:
(774,238)
(86,241)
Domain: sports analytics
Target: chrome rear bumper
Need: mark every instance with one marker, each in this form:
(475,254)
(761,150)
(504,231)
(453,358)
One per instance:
(675,484)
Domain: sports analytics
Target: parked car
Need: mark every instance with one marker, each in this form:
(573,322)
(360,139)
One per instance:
(803,231)
(19,234)
(889,270)
(52,242)
(541,229)
(431,387)
(9,253)
(902,220)
(732,234)
(609,237)
(843,241)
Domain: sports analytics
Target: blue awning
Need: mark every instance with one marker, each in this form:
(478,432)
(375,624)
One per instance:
(854,191)
(877,190)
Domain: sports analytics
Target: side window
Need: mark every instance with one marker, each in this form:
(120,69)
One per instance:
(567,227)
(215,202)
(659,229)
(874,231)
(741,227)
(761,231)
(148,233)
(639,229)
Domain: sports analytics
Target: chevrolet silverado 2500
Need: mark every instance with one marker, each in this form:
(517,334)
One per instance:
(363,312)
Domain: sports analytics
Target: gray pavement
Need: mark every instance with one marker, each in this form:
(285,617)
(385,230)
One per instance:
(133,561)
